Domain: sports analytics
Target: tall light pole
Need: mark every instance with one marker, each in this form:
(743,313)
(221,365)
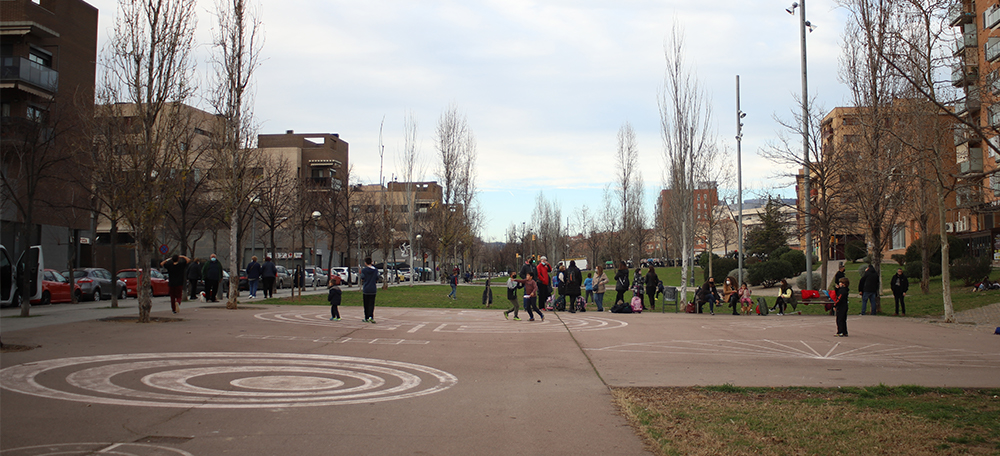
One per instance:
(359,223)
(254,201)
(423,263)
(739,184)
(803,25)
(315,216)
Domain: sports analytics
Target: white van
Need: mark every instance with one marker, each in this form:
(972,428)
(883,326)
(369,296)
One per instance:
(9,295)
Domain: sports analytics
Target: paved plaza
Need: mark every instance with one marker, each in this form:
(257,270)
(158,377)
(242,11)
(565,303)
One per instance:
(283,380)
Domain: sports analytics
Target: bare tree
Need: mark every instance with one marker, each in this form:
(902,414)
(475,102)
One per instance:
(149,75)
(456,148)
(237,164)
(628,188)
(688,145)
(412,171)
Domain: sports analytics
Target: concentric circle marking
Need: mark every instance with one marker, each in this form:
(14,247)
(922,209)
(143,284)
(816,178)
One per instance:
(451,321)
(114,449)
(224,380)
(286,382)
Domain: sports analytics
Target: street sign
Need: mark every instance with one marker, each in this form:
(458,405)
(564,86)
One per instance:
(164,249)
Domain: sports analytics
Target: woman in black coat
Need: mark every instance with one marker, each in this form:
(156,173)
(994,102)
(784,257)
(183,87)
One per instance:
(621,282)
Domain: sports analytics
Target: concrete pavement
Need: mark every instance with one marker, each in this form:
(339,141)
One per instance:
(275,380)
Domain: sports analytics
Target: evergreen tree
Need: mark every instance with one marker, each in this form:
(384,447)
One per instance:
(770,234)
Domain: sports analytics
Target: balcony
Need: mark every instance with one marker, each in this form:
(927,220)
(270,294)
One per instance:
(965,135)
(970,104)
(957,15)
(23,70)
(964,75)
(994,82)
(993,115)
(992,49)
(991,17)
(968,40)
(974,164)
(967,196)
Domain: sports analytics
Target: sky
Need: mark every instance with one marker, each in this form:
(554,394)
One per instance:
(544,85)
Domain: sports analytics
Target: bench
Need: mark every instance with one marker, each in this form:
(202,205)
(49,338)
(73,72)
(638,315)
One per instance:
(821,299)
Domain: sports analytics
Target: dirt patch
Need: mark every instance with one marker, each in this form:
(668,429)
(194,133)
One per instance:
(136,319)
(12,348)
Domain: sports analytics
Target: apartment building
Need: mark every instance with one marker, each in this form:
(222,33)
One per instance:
(48,51)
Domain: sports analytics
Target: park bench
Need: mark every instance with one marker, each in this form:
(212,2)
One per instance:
(820,299)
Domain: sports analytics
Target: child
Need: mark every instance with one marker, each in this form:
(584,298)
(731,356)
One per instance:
(745,301)
(512,287)
(589,285)
(334,298)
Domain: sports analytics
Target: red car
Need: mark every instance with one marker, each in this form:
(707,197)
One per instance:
(160,285)
(55,288)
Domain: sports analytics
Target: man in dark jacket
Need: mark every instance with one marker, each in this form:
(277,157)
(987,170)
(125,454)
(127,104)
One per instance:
(868,288)
(193,276)
(899,284)
(574,279)
(253,275)
(268,272)
(369,277)
(176,271)
(212,274)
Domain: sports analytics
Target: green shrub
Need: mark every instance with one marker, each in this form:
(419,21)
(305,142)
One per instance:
(899,258)
(735,273)
(800,281)
(797,259)
(970,269)
(769,273)
(956,249)
(720,267)
(913,269)
(778,252)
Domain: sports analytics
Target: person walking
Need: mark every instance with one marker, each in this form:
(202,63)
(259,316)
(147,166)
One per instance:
(574,280)
(211,273)
(268,272)
(588,286)
(652,284)
(621,282)
(369,286)
(512,286)
(453,281)
(176,272)
(868,287)
(253,276)
(843,290)
(193,276)
(899,285)
(600,287)
(530,294)
(543,277)
(333,297)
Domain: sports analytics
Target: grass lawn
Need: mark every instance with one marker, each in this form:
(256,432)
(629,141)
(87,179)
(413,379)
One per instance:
(908,420)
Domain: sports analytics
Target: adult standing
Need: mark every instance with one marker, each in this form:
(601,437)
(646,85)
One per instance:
(652,284)
(268,272)
(211,273)
(544,278)
(868,289)
(526,268)
(621,282)
(600,287)
(369,277)
(843,290)
(574,279)
(839,275)
(253,275)
(899,285)
(176,272)
(193,276)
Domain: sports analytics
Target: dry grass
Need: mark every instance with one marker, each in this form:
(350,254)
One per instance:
(789,421)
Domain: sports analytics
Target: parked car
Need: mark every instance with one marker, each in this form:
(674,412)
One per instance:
(244,282)
(342,272)
(283,278)
(158,283)
(98,283)
(56,288)
(315,276)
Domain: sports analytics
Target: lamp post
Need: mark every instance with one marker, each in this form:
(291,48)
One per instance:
(803,25)
(315,216)
(253,226)
(423,263)
(359,223)
(739,184)
(395,273)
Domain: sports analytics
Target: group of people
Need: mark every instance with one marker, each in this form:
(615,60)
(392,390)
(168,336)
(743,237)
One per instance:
(738,298)
(369,288)
(180,267)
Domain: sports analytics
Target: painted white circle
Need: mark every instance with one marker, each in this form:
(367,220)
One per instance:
(286,383)
(89,448)
(225,380)
(448,321)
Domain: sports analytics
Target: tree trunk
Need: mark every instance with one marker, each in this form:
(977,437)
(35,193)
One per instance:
(949,311)
(144,283)
(234,268)
(114,259)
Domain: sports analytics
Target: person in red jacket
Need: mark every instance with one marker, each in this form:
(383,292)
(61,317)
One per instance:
(544,281)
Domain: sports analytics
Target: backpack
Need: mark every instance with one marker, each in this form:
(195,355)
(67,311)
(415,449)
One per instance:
(689,308)
(548,303)
(560,303)
(581,304)
(761,306)
(636,304)
(621,308)
(621,284)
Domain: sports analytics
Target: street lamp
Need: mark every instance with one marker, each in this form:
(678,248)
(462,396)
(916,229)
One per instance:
(315,216)
(254,201)
(395,273)
(359,223)
(423,262)
(803,25)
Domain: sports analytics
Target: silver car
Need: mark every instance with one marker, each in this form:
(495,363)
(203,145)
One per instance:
(97,283)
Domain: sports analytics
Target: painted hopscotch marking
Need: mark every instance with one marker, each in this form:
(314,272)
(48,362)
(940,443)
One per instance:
(820,350)
(224,380)
(455,321)
(117,449)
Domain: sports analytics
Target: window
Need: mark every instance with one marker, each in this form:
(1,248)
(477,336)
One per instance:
(40,56)
(35,114)
(899,237)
